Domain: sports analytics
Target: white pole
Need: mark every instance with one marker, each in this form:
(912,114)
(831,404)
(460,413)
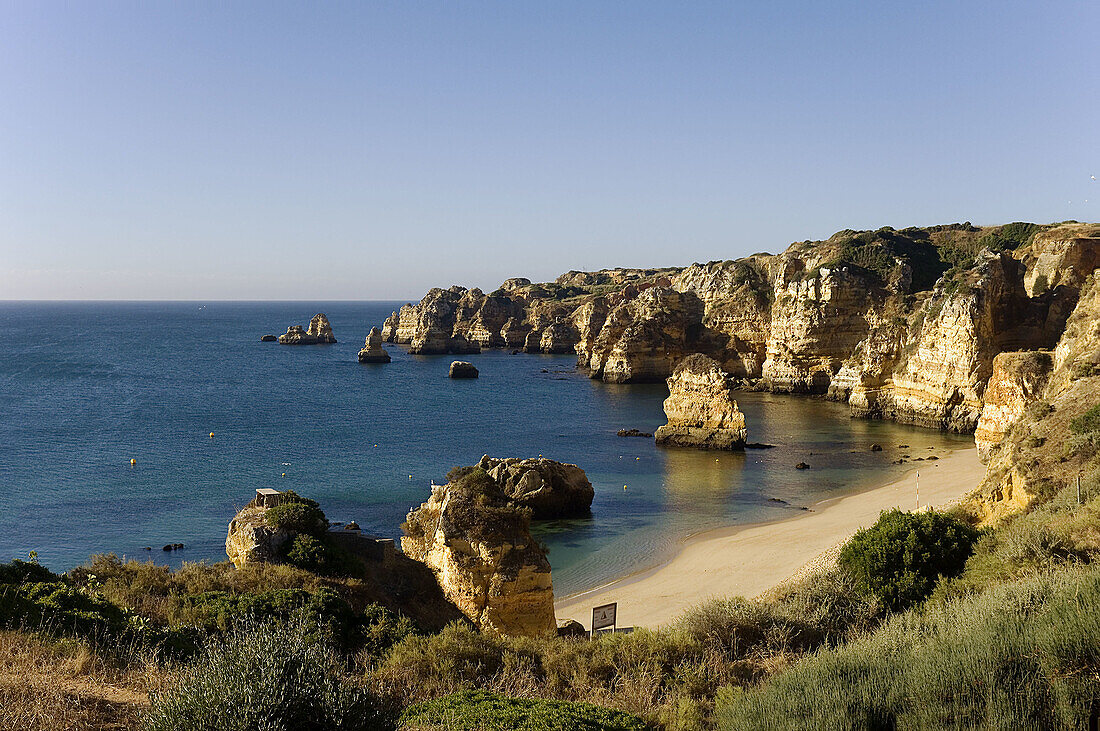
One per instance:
(918,490)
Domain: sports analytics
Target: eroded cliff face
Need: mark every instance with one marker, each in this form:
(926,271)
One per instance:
(372,350)
(1018,379)
(252,540)
(483,555)
(1040,451)
(902,325)
(700,408)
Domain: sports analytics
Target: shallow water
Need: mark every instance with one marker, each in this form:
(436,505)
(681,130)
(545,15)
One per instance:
(85,387)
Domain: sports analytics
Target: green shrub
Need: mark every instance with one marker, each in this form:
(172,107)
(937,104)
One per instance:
(1087,422)
(308,553)
(21,572)
(273,677)
(901,557)
(59,608)
(476,710)
(298,517)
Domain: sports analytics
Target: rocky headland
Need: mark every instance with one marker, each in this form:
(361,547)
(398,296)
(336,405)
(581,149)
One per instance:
(900,324)
(319,332)
(700,408)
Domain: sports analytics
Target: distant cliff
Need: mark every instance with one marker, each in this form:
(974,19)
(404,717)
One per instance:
(901,324)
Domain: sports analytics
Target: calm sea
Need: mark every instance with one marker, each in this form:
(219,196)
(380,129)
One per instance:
(86,387)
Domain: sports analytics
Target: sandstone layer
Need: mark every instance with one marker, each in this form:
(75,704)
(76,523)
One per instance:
(1018,379)
(485,559)
(901,324)
(700,408)
(319,332)
(372,351)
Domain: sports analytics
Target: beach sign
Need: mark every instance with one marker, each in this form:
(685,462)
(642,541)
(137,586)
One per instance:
(604,616)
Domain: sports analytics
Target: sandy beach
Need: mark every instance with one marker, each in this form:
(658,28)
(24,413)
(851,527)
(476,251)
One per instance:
(750,560)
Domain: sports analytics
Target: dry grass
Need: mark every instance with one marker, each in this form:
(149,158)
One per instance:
(62,684)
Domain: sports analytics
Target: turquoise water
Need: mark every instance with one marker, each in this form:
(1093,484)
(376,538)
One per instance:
(85,387)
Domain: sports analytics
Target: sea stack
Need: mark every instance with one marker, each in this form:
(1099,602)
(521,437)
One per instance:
(700,408)
(372,351)
(462,369)
(319,332)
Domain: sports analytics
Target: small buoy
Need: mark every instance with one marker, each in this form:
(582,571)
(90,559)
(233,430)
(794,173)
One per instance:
(624,487)
(211,435)
(410,477)
(376,445)
(284,474)
(637,458)
(133,462)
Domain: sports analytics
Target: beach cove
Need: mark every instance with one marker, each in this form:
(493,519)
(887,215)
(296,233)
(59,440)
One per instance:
(751,560)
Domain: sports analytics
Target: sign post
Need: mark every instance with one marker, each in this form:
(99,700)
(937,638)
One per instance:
(604,616)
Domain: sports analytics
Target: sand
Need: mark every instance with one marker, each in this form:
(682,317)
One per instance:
(750,560)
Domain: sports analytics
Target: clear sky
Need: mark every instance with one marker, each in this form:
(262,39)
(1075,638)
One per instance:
(370,150)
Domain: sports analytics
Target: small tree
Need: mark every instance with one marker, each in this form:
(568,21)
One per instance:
(901,557)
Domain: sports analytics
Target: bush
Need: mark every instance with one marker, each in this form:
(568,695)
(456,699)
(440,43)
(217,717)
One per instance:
(477,710)
(274,677)
(901,557)
(25,572)
(297,517)
(59,608)
(308,553)
(1087,422)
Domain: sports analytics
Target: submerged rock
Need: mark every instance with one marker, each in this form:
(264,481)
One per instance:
(700,407)
(372,351)
(268,338)
(462,369)
(633,433)
(318,333)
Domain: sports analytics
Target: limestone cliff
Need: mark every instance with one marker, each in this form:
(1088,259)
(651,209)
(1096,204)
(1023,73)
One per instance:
(700,408)
(372,351)
(318,333)
(480,547)
(901,324)
(1018,379)
(1041,450)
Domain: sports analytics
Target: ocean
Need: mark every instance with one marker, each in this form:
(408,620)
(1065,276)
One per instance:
(87,386)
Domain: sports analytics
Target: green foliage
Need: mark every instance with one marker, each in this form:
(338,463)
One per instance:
(381,629)
(308,553)
(57,607)
(299,517)
(1010,237)
(20,572)
(476,710)
(1023,655)
(1087,422)
(275,677)
(901,557)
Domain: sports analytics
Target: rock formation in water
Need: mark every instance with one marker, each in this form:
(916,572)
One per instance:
(318,333)
(372,351)
(700,407)
(550,489)
(462,369)
(901,324)
(251,539)
(480,547)
(268,338)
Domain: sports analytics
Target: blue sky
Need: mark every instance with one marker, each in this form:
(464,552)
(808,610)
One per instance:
(372,150)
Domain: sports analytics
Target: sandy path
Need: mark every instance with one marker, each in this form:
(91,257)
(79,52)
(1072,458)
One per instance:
(749,560)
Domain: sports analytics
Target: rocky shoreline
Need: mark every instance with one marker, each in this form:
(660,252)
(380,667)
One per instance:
(900,324)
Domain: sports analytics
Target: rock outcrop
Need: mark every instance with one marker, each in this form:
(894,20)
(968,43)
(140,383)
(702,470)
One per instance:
(318,333)
(550,489)
(481,550)
(1018,379)
(251,539)
(1041,451)
(268,338)
(462,369)
(372,351)
(700,408)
